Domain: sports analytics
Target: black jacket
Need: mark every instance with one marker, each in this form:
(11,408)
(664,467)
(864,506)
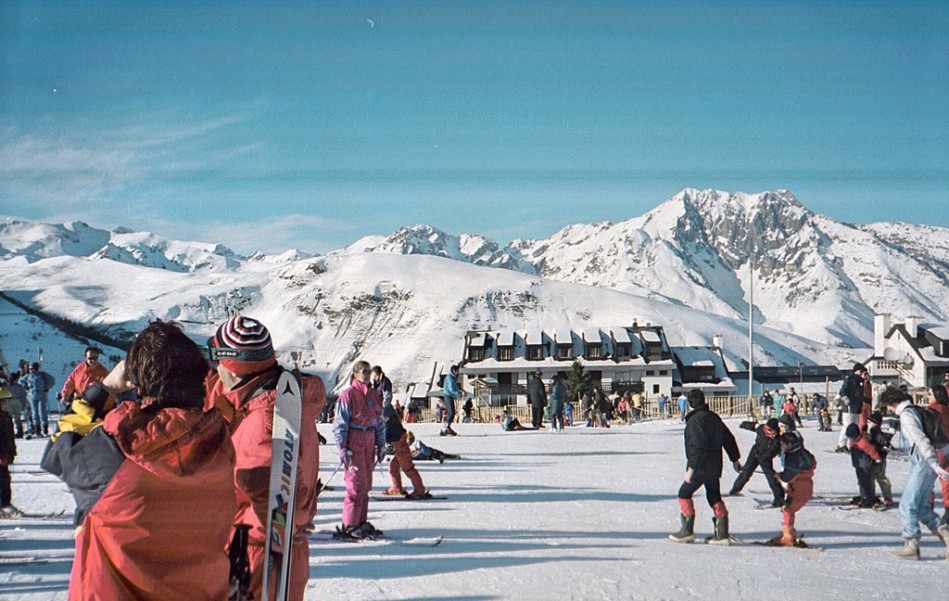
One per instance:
(705,437)
(7,442)
(853,390)
(536,392)
(765,448)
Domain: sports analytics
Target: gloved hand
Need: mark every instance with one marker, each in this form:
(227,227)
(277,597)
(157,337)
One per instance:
(345,458)
(737,466)
(688,475)
(380,454)
(943,474)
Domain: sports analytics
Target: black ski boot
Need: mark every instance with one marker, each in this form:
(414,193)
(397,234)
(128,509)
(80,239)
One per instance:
(721,536)
(686,533)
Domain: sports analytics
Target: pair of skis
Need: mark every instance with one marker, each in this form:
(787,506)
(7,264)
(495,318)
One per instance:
(283,484)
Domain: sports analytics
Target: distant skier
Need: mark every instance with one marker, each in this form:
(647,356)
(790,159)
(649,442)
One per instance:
(767,446)
(537,395)
(452,393)
(705,438)
(37,384)
(558,397)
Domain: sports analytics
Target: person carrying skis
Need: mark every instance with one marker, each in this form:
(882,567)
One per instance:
(705,438)
(157,477)
(767,446)
(243,388)
(798,476)
(360,435)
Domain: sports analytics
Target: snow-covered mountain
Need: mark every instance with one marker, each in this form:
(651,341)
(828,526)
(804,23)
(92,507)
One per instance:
(405,301)
(813,276)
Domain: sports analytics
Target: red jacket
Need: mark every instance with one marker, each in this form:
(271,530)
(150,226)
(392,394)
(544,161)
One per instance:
(160,528)
(80,379)
(249,409)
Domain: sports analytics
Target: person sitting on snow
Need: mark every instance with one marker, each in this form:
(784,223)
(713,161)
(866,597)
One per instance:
(423,452)
(510,423)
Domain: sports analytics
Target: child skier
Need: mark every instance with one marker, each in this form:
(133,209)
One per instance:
(766,448)
(881,442)
(798,476)
(862,455)
(401,458)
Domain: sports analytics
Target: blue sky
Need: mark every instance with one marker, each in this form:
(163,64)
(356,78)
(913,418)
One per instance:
(310,124)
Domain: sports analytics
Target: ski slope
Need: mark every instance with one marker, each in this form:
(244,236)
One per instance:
(540,515)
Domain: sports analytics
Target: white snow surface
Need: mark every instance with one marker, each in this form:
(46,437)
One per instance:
(582,514)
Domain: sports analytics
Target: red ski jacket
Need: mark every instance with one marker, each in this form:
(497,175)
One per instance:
(160,528)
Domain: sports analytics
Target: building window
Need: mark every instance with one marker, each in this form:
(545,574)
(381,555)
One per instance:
(564,352)
(594,351)
(535,352)
(476,354)
(506,353)
(650,372)
(655,389)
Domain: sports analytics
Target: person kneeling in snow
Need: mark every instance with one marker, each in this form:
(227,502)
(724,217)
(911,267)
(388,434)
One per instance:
(798,476)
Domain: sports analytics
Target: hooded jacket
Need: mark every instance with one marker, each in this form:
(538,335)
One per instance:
(160,526)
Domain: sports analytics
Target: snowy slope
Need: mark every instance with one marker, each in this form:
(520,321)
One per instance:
(406,300)
(538,515)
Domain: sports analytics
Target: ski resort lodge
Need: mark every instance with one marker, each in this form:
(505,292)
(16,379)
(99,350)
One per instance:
(636,358)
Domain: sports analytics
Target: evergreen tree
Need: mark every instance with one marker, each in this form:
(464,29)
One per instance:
(578,382)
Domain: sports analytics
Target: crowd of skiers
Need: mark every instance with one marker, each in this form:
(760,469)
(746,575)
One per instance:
(190,459)
(172,490)
(922,430)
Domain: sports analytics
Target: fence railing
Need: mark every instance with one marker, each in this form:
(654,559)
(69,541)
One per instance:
(732,406)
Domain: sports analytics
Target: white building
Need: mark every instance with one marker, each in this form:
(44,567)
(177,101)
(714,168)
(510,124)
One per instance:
(912,353)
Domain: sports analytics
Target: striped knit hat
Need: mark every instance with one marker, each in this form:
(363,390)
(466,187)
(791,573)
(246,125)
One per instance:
(243,346)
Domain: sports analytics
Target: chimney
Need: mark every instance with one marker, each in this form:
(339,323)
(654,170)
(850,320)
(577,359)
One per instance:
(911,326)
(881,325)
(717,341)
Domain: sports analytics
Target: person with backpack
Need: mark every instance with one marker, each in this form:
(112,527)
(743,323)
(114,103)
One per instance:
(921,431)
(243,388)
(37,384)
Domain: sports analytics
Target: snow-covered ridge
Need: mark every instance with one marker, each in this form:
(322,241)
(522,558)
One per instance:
(406,300)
